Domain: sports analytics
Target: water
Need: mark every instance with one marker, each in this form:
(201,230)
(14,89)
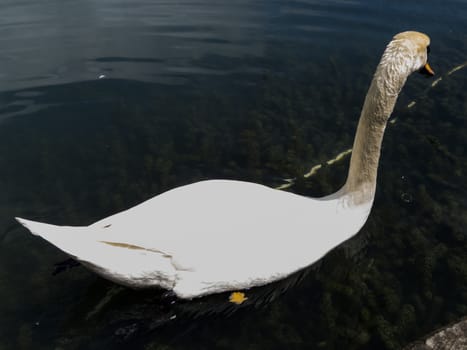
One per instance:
(106,103)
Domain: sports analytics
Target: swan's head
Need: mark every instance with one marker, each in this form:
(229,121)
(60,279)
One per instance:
(409,51)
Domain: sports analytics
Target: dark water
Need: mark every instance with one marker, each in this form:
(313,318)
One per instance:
(106,103)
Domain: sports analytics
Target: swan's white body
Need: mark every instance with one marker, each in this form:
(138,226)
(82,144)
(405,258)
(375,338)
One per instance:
(221,235)
(210,236)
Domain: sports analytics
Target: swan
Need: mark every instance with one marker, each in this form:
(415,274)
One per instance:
(224,235)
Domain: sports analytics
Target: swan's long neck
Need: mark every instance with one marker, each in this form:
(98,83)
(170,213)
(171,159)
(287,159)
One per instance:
(379,104)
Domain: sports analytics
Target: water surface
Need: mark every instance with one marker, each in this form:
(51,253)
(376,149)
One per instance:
(107,103)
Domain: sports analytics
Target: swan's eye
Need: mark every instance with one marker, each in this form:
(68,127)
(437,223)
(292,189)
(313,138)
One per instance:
(428,49)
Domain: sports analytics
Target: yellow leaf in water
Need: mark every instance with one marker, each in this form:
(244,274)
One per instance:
(237,298)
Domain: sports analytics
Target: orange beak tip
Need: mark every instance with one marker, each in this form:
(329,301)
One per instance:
(429,69)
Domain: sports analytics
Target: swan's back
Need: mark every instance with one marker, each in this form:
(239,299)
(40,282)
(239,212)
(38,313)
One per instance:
(221,214)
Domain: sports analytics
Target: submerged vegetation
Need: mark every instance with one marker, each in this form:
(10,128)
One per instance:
(111,144)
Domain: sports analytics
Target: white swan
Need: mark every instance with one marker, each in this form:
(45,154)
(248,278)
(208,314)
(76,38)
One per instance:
(219,235)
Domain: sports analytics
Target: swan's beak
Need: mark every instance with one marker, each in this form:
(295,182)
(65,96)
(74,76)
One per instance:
(426,70)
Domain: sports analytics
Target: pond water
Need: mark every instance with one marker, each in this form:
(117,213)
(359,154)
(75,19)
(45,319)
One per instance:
(104,104)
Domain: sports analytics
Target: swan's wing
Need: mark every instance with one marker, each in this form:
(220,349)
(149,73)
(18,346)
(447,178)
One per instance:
(222,227)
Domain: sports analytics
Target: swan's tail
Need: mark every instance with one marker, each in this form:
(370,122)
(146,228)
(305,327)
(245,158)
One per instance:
(66,238)
(122,263)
